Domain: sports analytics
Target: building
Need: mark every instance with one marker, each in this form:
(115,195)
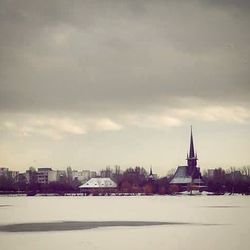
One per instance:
(52,176)
(107,173)
(43,175)
(81,176)
(93,174)
(189,175)
(74,175)
(152,176)
(31,175)
(47,175)
(13,175)
(98,186)
(4,172)
(60,175)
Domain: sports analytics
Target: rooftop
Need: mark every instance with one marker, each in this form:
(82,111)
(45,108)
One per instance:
(99,183)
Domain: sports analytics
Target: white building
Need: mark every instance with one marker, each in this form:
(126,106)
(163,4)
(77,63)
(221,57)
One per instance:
(52,176)
(101,185)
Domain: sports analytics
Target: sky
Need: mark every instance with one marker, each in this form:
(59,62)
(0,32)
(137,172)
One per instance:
(90,84)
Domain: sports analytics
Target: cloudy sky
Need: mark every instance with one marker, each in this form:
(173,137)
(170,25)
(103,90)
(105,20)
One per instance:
(97,83)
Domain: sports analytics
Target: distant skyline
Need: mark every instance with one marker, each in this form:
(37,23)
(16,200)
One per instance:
(89,84)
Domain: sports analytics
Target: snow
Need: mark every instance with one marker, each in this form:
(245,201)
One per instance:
(99,183)
(217,222)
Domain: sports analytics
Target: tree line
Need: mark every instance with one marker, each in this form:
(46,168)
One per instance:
(135,180)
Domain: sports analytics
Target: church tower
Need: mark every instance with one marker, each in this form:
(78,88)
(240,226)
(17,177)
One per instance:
(189,174)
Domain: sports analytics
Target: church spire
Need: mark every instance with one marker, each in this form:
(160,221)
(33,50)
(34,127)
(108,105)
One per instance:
(191,149)
(151,176)
(192,156)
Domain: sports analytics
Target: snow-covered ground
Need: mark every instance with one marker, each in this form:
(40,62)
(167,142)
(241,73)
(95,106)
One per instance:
(216,222)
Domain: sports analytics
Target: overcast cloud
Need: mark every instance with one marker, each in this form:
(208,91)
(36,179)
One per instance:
(79,67)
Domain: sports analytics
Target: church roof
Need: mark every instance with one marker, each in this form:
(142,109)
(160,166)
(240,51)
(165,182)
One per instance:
(181,176)
(198,181)
(181,180)
(99,183)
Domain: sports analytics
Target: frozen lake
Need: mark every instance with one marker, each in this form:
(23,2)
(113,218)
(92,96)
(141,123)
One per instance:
(196,222)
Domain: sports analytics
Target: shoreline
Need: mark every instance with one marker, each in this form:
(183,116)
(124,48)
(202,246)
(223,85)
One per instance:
(115,194)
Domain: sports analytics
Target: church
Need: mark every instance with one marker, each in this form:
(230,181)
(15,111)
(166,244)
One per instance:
(189,175)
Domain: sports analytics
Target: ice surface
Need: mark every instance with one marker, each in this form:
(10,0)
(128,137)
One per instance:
(230,216)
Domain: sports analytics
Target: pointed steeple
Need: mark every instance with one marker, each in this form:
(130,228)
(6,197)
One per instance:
(192,156)
(151,173)
(191,149)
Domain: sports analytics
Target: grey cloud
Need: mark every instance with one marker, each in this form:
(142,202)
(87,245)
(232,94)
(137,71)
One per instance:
(91,56)
(241,5)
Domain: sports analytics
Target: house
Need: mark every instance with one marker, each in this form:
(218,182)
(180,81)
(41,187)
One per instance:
(98,186)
